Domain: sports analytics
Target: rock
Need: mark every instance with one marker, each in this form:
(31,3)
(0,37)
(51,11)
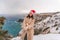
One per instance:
(52,22)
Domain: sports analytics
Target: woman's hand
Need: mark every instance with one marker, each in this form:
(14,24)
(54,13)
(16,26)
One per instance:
(25,28)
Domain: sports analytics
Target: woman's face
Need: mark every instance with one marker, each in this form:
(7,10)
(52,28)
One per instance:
(30,14)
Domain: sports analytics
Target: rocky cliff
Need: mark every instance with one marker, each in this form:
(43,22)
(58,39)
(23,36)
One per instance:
(47,23)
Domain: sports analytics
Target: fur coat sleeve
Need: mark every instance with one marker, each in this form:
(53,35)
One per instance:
(25,24)
(31,25)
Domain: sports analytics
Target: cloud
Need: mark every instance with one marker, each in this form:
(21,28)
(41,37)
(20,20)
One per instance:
(23,6)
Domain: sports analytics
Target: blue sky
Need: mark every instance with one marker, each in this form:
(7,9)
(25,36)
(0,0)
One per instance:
(24,6)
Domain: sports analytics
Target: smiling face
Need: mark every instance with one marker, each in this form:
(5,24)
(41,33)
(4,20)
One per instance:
(31,13)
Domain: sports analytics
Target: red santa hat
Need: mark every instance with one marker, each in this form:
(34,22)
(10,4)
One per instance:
(33,11)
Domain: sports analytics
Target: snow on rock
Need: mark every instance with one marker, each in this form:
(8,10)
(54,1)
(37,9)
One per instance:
(47,37)
(52,22)
(43,37)
(16,38)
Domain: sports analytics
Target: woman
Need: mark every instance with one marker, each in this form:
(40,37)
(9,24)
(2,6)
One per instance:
(28,26)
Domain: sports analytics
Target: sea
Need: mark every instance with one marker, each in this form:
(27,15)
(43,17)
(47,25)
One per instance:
(12,26)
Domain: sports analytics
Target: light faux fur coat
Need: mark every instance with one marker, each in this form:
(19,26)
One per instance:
(28,27)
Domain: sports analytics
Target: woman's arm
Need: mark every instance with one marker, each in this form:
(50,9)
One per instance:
(31,25)
(24,24)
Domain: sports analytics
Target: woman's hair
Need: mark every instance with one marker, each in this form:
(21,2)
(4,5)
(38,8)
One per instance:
(28,16)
